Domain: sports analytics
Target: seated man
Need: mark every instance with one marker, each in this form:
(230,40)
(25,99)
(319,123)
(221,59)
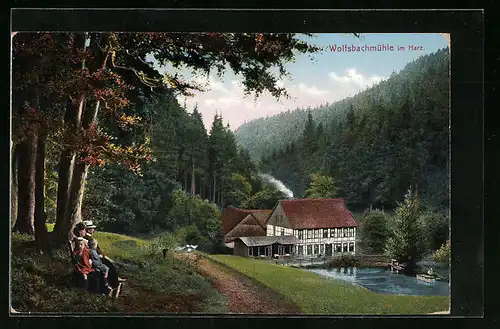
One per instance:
(90,229)
(113,278)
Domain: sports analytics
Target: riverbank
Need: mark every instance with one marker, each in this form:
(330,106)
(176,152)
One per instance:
(314,294)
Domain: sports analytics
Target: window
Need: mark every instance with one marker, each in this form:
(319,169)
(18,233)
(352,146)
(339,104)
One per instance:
(274,230)
(351,232)
(351,246)
(278,220)
(338,247)
(309,249)
(282,231)
(309,234)
(345,232)
(344,249)
(325,233)
(321,248)
(332,233)
(300,250)
(301,234)
(316,249)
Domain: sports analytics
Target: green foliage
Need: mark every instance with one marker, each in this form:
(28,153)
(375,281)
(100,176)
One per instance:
(264,199)
(321,186)
(238,190)
(405,239)
(42,283)
(435,228)
(199,218)
(342,261)
(315,294)
(443,254)
(373,144)
(374,231)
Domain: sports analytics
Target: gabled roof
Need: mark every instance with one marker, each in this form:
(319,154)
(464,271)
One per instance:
(253,241)
(261,216)
(245,230)
(249,226)
(233,216)
(317,213)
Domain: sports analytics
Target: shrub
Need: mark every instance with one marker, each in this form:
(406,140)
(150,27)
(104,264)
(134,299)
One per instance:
(435,229)
(343,261)
(443,254)
(374,231)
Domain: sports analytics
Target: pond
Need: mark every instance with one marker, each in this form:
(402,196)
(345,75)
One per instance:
(383,281)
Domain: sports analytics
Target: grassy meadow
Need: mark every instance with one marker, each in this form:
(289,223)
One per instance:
(314,294)
(43,283)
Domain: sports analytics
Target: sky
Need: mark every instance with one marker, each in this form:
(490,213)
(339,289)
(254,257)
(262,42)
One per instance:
(329,77)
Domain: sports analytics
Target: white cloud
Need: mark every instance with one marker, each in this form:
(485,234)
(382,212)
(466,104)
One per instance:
(313,90)
(227,98)
(353,77)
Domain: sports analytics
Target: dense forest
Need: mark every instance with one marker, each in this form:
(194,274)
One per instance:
(98,133)
(374,145)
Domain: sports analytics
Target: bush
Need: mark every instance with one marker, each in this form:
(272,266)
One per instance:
(443,254)
(435,229)
(343,261)
(374,231)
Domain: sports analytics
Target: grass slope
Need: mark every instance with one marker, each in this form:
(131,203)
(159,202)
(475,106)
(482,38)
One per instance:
(42,283)
(314,294)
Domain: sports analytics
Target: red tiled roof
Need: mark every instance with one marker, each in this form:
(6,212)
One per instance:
(317,213)
(232,216)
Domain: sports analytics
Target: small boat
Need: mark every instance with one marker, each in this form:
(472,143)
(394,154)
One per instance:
(426,278)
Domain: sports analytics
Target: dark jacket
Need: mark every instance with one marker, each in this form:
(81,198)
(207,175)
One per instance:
(89,238)
(97,262)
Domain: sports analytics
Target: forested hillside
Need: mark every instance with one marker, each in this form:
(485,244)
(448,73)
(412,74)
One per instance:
(98,133)
(375,144)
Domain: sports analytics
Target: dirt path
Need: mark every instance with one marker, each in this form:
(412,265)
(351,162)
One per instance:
(244,295)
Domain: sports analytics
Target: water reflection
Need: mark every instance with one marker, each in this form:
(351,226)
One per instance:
(386,282)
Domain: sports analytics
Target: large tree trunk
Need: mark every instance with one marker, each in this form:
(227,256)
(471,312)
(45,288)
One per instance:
(185,181)
(26,180)
(66,164)
(76,196)
(40,228)
(67,160)
(13,185)
(66,167)
(77,186)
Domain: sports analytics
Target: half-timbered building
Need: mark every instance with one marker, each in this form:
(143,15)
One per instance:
(321,226)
